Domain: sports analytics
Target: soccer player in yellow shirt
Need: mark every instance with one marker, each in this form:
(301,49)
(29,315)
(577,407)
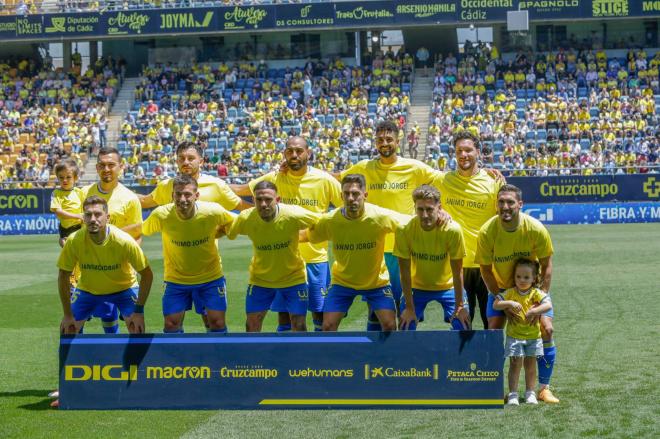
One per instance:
(66,200)
(123,205)
(189,158)
(314,190)
(276,266)
(193,271)
(509,236)
(390,180)
(431,264)
(108,259)
(124,212)
(469,195)
(357,231)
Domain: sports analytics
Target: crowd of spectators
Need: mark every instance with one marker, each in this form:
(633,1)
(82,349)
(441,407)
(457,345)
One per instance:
(47,115)
(244,113)
(23,7)
(555,113)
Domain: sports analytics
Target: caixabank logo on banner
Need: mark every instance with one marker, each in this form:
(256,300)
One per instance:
(373,372)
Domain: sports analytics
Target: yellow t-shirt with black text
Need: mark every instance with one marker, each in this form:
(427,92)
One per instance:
(189,250)
(501,249)
(123,205)
(391,186)
(470,201)
(105,268)
(315,191)
(430,253)
(276,261)
(358,245)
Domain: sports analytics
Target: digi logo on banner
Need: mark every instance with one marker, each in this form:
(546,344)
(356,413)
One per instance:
(371,372)
(610,8)
(651,187)
(540,215)
(96,372)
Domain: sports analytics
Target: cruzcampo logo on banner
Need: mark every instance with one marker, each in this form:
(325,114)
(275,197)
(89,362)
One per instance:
(185,20)
(241,17)
(122,23)
(610,8)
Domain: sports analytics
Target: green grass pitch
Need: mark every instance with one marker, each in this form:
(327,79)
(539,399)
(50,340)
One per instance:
(606,292)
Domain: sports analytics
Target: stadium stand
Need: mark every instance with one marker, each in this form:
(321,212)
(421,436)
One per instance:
(48,115)
(555,113)
(244,113)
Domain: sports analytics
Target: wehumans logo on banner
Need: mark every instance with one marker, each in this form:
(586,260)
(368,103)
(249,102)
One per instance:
(473,374)
(321,373)
(371,372)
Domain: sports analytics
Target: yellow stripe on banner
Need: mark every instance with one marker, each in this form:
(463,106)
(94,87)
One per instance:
(381,402)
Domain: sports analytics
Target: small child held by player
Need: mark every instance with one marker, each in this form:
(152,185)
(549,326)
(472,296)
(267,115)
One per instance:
(66,200)
(526,303)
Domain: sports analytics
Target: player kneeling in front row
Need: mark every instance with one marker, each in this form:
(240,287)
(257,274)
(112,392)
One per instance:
(108,259)
(431,263)
(276,266)
(357,232)
(524,345)
(193,271)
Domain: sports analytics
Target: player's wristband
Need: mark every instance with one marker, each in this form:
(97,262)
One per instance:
(139,309)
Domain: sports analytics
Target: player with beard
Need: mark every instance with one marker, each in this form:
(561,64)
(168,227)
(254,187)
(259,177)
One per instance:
(276,267)
(189,160)
(469,195)
(390,182)
(314,190)
(193,272)
(503,240)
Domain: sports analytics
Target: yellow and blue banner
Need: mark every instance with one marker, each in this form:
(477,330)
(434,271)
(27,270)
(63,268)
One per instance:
(344,14)
(420,369)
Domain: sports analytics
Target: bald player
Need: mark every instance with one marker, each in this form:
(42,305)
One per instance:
(314,190)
